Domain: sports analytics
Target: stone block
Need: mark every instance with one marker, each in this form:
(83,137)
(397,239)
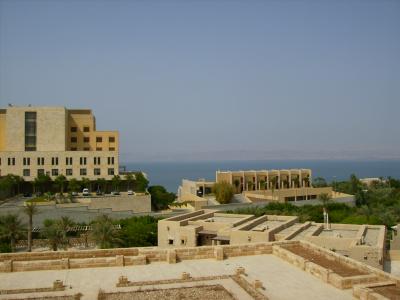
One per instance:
(171,256)
(64,263)
(58,284)
(139,260)
(219,253)
(8,266)
(185,276)
(119,260)
(257,284)
(240,271)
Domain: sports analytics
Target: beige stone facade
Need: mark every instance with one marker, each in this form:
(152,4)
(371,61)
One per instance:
(54,141)
(364,243)
(257,186)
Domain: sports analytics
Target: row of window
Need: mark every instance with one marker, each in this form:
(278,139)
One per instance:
(68,172)
(88,149)
(85,129)
(86,139)
(26,161)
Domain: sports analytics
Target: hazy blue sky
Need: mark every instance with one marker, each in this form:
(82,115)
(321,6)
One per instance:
(214,79)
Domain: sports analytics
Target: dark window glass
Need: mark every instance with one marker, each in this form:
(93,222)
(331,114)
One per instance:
(40,172)
(83,172)
(111,149)
(86,139)
(96,171)
(99,139)
(111,139)
(86,129)
(111,171)
(74,139)
(26,172)
(99,149)
(30,131)
(54,172)
(68,172)
(74,129)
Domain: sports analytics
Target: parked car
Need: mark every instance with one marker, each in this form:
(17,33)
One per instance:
(27,195)
(74,194)
(99,193)
(115,193)
(130,192)
(85,192)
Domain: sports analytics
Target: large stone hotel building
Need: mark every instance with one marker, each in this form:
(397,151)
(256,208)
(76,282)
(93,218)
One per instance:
(54,141)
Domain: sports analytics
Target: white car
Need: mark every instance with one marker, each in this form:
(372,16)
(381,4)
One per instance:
(130,192)
(85,192)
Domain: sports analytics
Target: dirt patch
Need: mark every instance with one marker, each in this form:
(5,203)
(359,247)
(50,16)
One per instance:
(320,259)
(195,293)
(389,291)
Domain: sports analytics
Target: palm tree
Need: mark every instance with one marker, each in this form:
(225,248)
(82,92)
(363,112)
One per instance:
(104,232)
(12,229)
(60,181)
(324,198)
(65,224)
(54,233)
(30,210)
(129,179)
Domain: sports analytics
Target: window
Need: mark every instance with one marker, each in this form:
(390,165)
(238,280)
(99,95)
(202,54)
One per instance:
(73,149)
(86,149)
(40,161)
(54,161)
(99,149)
(96,171)
(111,149)
(96,160)
(83,172)
(170,241)
(82,160)
(99,139)
(74,139)
(68,172)
(111,139)
(26,172)
(54,172)
(74,129)
(26,161)
(40,172)
(11,161)
(68,161)
(111,171)
(110,160)
(86,139)
(86,129)
(30,131)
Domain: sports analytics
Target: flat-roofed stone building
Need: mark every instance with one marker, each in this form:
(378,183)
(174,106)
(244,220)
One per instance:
(364,243)
(54,141)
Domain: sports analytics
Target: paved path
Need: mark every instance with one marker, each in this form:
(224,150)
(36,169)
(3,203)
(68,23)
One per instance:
(280,279)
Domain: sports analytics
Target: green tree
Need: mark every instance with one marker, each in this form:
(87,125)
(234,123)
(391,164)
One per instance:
(141,182)
(7,186)
(249,185)
(325,199)
(73,185)
(139,231)
(42,182)
(61,181)
(11,228)
(319,182)
(116,182)
(160,197)
(262,184)
(30,209)
(17,182)
(86,183)
(355,184)
(104,232)
(223,192)
(130,178)
(101,184)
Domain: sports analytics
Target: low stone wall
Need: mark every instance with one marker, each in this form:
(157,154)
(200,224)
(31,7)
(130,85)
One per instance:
(365,291)
(320,272)
(57,286)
